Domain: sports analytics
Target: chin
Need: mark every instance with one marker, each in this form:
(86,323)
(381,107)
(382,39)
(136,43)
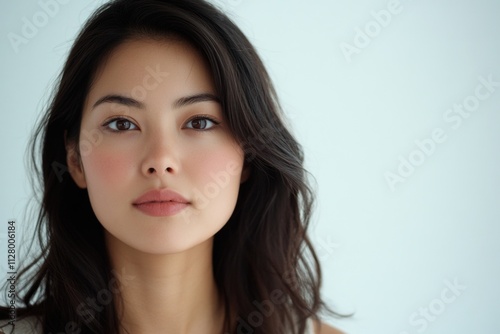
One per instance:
(156,243)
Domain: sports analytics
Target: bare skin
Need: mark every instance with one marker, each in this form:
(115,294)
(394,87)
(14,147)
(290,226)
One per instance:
(322,328)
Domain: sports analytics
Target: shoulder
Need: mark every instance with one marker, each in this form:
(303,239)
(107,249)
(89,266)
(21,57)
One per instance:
(322,328)
(29,325)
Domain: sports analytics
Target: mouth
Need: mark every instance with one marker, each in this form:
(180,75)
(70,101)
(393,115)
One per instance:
(160,208)
(161,202)
(147,202)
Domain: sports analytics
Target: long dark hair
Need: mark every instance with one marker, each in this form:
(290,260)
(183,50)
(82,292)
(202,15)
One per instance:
(270,279)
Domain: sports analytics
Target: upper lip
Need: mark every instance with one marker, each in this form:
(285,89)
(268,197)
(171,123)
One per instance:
(160,195)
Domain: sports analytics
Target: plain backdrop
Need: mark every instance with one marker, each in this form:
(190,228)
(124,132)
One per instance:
(407,218)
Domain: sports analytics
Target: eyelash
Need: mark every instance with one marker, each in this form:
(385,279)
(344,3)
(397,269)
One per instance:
(107,123)
(204,117)
(197,117)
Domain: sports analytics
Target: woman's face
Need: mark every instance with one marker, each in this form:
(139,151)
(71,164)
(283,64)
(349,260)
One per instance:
(152,123)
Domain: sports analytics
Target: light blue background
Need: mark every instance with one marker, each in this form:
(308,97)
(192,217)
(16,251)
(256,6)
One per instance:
(386,253)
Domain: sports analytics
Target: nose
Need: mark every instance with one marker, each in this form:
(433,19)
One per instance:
(160,156)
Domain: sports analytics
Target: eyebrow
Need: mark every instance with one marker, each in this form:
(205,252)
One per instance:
(181,102)
(187,100)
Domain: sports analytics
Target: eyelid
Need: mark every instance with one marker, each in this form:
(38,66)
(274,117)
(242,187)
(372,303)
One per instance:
(198,116)
(204,116)
(118,118)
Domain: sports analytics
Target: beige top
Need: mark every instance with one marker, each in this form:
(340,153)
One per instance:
(31,325)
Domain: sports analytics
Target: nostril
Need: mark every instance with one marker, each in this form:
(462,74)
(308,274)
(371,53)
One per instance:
(152,170)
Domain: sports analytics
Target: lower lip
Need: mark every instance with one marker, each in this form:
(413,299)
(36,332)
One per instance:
(161,209)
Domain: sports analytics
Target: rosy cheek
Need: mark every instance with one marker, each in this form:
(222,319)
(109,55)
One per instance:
(219,166)
(106,167)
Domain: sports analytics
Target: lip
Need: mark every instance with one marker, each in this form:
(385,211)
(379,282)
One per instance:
(160,202)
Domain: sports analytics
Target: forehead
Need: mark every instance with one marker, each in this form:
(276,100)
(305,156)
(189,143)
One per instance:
(167,67)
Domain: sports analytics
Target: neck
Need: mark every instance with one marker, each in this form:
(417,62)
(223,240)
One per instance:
(174,293)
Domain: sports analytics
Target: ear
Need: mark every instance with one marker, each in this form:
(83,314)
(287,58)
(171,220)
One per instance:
(245,174)
(74,163)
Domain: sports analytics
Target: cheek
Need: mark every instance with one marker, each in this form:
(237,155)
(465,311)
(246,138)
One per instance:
(216,183)
(222,167)
(107,170)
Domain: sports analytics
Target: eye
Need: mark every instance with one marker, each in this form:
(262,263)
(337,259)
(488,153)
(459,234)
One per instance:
(201,123)
(120,124)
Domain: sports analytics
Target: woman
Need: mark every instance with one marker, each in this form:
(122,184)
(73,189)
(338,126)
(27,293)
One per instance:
(174,198)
